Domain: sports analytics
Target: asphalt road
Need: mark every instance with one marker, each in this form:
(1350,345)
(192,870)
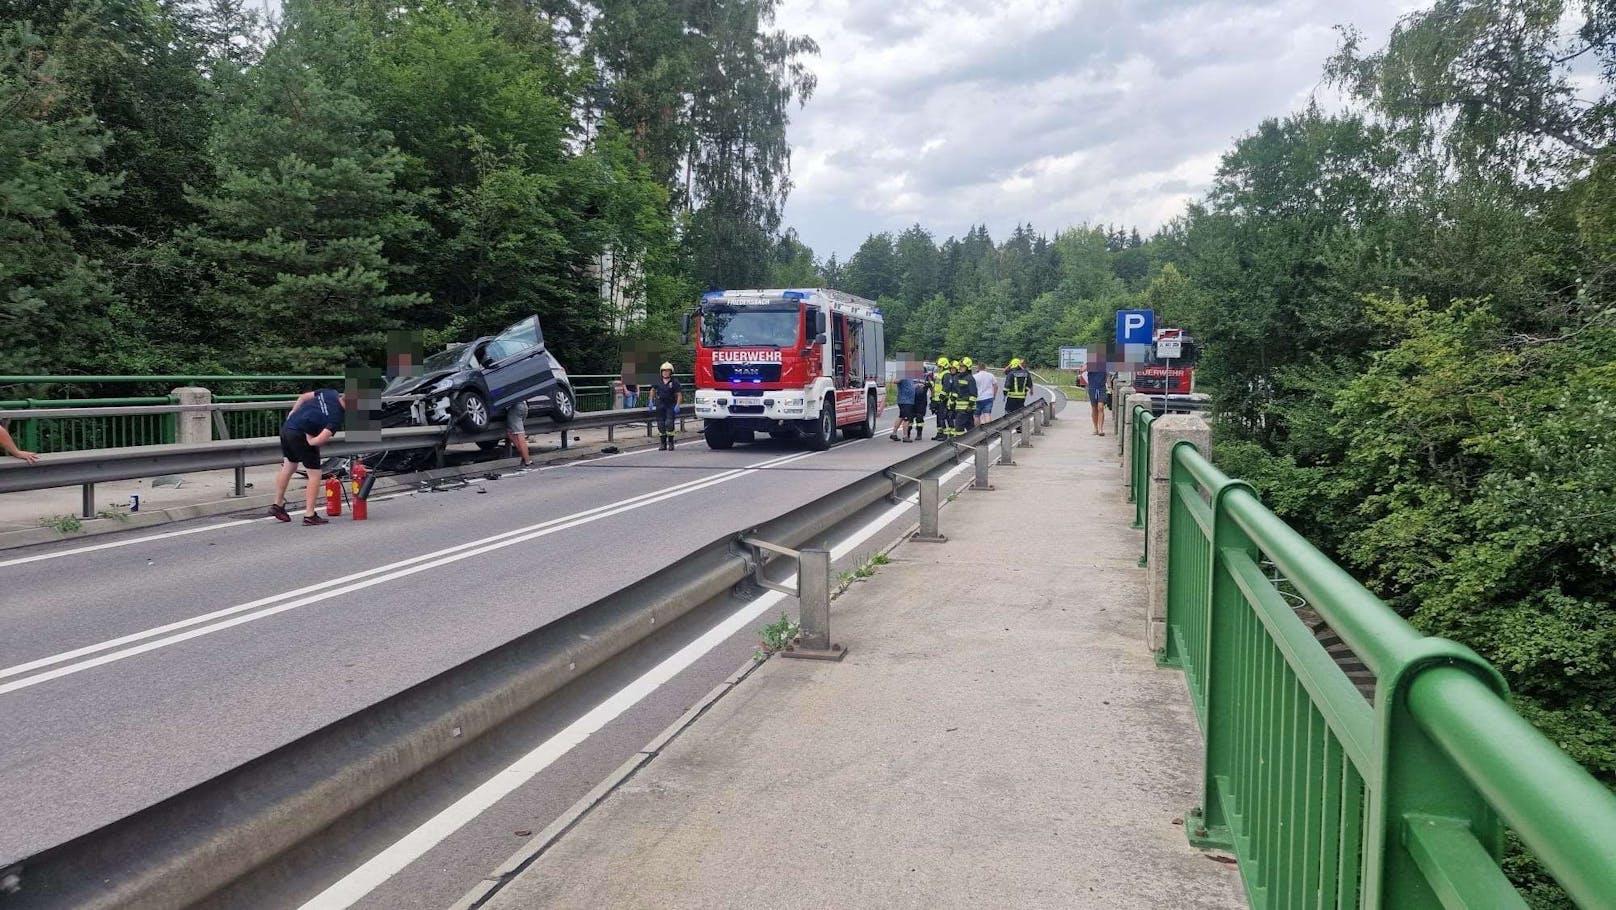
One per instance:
(132,673)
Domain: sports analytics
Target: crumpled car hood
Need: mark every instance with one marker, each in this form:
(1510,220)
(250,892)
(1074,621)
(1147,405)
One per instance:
(411,385)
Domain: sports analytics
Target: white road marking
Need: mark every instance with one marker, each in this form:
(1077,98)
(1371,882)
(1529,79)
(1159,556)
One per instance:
(219,526)
(354,886)
(291,600)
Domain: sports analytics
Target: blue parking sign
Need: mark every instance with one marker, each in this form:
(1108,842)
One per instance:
(1136,326)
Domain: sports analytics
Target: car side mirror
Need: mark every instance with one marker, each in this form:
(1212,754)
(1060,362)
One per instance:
(820,338)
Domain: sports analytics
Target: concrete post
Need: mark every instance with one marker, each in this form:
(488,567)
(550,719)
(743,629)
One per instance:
(1168,430)
(931,496)
(813,608)
(1026,432)
(193,426)
(980,454)
(1040,419)
(1119,396)
(1006,447)
(1127,440)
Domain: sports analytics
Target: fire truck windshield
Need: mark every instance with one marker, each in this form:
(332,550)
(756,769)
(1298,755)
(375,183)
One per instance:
(768,326)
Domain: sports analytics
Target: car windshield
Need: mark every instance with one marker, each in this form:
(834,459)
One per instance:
(757,326)
(444,360)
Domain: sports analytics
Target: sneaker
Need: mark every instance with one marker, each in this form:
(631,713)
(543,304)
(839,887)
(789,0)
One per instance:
(907,439)
(315,519)
(279,512)
(526,464)
(893,437)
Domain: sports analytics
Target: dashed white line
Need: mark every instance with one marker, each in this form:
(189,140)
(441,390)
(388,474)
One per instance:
(291,600)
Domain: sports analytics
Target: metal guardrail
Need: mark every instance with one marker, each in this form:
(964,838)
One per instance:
(90,467)
(50,426)
(250,815)
(1326,798)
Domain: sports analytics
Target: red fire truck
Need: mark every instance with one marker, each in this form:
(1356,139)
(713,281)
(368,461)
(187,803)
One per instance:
(1173,374)
(788,363)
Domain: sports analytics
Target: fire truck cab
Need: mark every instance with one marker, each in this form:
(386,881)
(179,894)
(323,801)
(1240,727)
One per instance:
(787,362)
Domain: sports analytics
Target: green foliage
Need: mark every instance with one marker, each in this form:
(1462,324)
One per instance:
(776,636)
(50,292)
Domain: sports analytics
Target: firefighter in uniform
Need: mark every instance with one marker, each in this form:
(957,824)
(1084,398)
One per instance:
(942,405)
(964,396)
(667,393)
(1017,383)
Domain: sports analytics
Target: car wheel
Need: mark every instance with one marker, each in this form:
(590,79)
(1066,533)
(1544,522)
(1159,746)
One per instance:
(471,411)
(565,408)
(822,433)
(489,445)
(717,434)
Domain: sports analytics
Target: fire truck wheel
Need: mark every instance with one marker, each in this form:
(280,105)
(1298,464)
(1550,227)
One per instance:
(718,436)
(865,430)
(822,433)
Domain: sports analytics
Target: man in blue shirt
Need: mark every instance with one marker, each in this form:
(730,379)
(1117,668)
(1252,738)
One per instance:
(315,418)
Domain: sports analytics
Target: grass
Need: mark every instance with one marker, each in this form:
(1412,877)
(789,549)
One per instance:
(776,636)
(64,524)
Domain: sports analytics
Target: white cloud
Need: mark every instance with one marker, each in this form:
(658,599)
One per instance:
(1053,112)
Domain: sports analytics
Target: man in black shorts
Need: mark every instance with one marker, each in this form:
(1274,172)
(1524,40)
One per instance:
(315,418)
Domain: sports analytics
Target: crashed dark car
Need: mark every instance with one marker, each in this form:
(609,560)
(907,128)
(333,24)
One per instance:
(472,385)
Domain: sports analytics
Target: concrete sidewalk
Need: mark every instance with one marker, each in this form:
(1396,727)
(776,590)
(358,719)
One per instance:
(997,737)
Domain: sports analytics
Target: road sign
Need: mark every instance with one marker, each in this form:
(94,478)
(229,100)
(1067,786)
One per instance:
(1170,348)
(1073,358)
(1136,326)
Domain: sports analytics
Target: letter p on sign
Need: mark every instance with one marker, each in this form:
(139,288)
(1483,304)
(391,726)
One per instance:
(1136,326)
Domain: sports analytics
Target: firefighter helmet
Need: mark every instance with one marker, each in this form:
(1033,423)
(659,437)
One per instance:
(667,367)
(942,361)
(966,361)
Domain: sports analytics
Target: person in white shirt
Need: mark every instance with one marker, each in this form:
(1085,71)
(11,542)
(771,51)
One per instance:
(987,388)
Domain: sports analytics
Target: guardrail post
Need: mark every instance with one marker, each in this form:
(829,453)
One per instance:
(1026,432)
(1006,445)
(611,432)
(87,503)
(1045,415)
(931,501)
(980,455)
(1040,419)
(813,608)
(241,482)
(1165,431)
(192,426)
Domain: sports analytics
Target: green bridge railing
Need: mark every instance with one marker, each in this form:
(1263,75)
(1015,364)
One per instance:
(1330,799)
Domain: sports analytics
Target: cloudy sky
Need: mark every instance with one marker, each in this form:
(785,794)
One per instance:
(1053,112)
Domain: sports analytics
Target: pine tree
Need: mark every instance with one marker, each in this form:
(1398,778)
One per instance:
(53,300)
(289,253)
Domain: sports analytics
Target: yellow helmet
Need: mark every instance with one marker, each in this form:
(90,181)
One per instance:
(942,361)
(1015,361)
(966,361)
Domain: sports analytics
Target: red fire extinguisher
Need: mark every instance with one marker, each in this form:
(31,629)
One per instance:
(361,509)
(333,497)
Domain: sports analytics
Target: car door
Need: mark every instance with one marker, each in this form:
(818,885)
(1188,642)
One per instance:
(513,363)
